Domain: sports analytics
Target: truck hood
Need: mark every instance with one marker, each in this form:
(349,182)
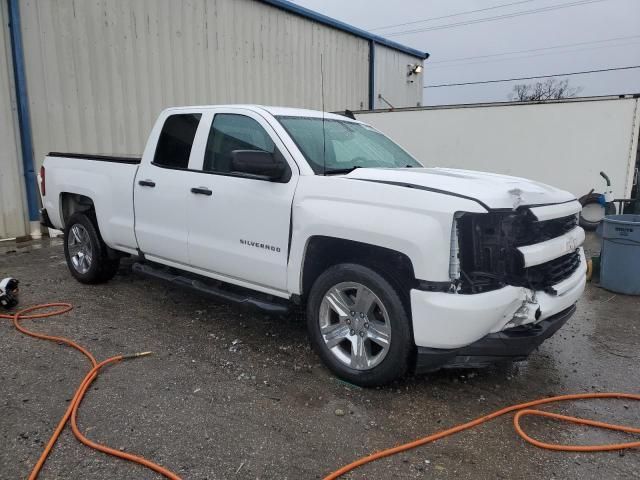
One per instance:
(490,189)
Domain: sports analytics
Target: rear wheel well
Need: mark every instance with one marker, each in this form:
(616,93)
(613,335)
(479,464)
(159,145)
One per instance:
(324,252)
(71,203)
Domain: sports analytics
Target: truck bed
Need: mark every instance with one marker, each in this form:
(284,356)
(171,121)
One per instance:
(104,179)
(130,159)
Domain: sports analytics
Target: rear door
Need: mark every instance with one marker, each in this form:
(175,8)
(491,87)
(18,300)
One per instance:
(161,193)
(239,225)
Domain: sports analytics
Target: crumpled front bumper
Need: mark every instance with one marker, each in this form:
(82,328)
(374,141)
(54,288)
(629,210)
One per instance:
(451,321)
(512,344)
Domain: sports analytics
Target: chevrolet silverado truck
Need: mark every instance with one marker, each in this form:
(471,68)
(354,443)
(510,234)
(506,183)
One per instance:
(399,267)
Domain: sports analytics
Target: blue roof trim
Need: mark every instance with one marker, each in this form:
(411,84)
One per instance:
(332,22)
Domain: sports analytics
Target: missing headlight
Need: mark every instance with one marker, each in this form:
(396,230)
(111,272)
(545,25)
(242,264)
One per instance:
(488,252)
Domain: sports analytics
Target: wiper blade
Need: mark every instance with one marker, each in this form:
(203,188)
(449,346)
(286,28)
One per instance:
(337,171)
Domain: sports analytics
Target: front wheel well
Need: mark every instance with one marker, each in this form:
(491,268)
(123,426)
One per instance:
(324,252)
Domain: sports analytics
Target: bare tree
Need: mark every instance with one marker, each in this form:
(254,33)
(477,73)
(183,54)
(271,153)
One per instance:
(551,89)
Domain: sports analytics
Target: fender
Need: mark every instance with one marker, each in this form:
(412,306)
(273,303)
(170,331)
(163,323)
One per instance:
(416,223)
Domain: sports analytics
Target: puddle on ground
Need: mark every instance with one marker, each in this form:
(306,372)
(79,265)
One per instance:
(10,247)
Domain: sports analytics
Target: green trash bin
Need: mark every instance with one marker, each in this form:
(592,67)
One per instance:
(620,254)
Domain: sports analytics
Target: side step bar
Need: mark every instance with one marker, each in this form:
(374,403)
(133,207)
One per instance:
(256,300)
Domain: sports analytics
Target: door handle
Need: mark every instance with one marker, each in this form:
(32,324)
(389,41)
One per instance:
(202,191)
(147,183)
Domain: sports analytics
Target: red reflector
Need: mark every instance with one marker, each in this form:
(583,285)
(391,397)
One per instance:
(43,188)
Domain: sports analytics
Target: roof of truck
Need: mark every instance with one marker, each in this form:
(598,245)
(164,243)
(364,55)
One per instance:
(301,112)
(275,111)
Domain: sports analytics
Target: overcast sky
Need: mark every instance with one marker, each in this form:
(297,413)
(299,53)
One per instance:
(600,34)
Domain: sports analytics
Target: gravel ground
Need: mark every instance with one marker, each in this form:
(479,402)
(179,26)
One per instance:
(231,393)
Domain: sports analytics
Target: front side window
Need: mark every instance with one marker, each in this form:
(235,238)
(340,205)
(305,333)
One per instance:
(336,146)
(176,140)
(230,132)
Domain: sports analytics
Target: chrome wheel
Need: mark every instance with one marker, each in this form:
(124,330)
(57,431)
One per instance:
(80,251)
(355,325)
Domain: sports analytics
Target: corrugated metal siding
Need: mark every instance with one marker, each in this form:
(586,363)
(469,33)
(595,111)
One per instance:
(13,221)
(391,79)
(99,71)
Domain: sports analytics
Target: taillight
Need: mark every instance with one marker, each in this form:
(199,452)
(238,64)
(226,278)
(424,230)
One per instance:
(43,188)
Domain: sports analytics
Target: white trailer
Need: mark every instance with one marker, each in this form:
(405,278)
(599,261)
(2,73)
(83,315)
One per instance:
(563,143)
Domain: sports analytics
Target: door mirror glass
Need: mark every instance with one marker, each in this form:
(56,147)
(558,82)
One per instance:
(257,162)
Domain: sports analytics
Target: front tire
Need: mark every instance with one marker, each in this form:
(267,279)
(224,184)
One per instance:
(359,326)
(85,251)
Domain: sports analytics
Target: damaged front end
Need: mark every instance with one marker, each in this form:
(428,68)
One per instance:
(490,253)
(516,276)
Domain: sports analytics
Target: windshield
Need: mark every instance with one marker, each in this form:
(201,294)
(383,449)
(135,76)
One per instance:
(344,145)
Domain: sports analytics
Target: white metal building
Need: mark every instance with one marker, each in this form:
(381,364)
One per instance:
(91,75)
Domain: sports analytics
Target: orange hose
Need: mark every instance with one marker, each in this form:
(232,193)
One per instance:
(522,409)
(72,410)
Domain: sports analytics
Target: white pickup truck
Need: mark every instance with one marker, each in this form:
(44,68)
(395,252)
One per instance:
(399,266)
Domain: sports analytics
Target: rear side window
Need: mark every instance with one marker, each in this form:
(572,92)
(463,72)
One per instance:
(231,132)
(176,139)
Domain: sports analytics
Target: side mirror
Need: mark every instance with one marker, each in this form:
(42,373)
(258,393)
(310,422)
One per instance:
(257,162)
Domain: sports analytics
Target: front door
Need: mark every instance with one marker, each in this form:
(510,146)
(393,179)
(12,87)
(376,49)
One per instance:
(239,225)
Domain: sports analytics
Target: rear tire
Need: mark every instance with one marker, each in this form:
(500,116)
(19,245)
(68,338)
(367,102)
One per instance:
(359,326)
(85,251)
(592,216)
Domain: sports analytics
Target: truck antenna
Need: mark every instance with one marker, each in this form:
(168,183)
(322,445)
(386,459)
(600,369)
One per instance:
(324,136)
